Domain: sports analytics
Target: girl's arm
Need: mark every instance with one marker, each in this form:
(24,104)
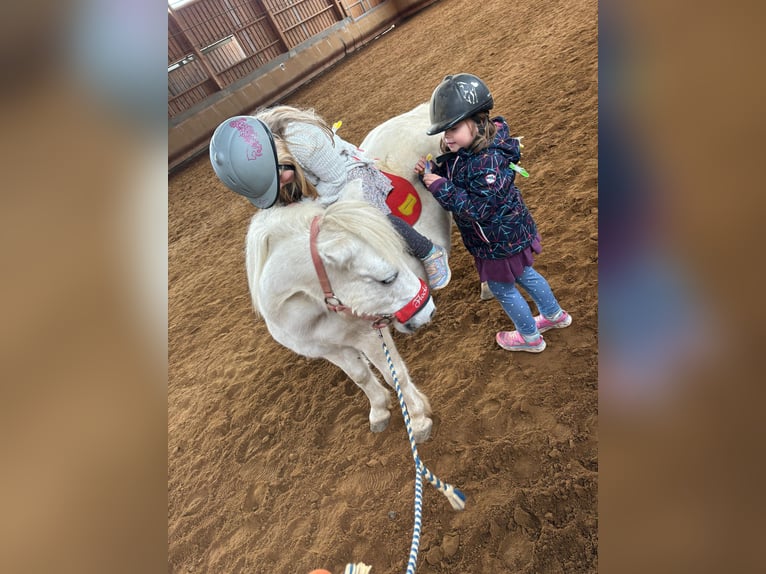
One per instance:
(488,184)
(318,157)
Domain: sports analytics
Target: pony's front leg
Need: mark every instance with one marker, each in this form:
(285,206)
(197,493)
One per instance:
(418,406)
(358,370)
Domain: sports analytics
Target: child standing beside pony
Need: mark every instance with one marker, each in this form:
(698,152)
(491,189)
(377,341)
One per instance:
(474,180)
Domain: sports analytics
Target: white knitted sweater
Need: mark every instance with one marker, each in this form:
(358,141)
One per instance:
(326,166)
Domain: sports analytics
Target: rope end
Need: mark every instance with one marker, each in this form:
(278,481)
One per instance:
(358,568)
(456,498)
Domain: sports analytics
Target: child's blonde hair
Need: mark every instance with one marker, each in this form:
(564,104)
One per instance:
(279,117)
(299,187)
(484,136)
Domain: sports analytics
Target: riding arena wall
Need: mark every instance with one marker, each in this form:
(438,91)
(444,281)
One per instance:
(227,58)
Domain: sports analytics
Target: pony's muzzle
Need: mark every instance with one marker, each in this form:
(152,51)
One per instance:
(422,317)
(417,312)
(415,305)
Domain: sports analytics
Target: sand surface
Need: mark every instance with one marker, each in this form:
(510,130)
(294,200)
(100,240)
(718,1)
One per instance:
(272,467)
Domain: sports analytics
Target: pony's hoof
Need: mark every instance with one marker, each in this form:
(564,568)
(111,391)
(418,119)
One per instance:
(379,425)
(486,293)
(422,432)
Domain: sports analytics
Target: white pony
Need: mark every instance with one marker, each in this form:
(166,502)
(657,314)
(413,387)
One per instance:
(371,280)
(396,145)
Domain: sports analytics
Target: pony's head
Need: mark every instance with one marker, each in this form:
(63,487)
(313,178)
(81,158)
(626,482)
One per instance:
(368,267)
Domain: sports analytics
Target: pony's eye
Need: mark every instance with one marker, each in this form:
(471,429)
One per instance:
(389,280)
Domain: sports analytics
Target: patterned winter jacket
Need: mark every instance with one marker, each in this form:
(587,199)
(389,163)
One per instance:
(486,206)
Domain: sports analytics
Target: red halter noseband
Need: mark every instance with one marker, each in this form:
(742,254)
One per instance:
(334,304)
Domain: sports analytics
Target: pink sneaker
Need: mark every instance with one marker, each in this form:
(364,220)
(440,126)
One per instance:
(513,341)
(545,324)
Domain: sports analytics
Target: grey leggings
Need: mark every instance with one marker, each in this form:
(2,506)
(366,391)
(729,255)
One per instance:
(420,246)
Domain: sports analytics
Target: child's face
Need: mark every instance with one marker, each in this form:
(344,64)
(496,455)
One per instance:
(286,174)
(460,135)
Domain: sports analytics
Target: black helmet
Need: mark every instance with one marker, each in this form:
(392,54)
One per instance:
(458,97)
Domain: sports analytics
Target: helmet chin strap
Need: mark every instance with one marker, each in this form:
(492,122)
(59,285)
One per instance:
(334,304)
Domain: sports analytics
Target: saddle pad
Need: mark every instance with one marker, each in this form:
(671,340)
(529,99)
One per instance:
(403,200)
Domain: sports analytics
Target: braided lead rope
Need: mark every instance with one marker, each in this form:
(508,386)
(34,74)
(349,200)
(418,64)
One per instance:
(415,546)
(455,497)
(358,568)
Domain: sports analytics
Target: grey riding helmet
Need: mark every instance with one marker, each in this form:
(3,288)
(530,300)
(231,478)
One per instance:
(244,158)
(456,98)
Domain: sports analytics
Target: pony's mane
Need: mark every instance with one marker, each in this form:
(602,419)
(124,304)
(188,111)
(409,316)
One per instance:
(346,216)
(365,222)
(290,220)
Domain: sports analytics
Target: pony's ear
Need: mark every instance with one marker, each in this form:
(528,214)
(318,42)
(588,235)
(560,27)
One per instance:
(337,250)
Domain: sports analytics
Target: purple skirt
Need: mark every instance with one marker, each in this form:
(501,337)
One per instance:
(508,269)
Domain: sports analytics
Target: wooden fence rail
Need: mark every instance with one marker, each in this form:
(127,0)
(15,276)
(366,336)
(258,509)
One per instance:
(214,43)
(228,57)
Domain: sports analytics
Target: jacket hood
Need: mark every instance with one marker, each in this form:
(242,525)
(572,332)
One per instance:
(503,141)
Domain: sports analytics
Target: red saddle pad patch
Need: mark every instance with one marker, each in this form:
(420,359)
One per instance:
(403,200)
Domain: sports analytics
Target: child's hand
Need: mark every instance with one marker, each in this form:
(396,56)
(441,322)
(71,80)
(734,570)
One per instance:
(420,167)
(429,178)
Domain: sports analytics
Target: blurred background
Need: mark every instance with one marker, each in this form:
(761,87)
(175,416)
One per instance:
(83,336)
(679,276)
(83,215)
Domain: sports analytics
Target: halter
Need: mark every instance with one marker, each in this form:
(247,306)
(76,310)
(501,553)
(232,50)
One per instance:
(334,304)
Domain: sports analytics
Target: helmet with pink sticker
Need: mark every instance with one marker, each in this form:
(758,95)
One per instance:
(244,158)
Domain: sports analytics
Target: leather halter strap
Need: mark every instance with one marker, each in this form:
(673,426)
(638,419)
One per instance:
(334,304)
